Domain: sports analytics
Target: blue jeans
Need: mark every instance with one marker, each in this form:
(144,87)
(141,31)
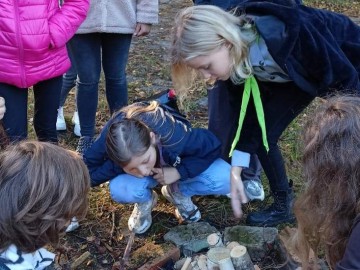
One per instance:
(215,180)
(91,51)
(69,78)
(46,101)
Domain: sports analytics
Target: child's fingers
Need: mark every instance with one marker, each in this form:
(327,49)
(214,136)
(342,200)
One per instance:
(241,193)
(235,198)
(236,206)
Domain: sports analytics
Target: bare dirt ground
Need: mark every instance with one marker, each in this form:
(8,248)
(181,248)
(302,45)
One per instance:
(104,232)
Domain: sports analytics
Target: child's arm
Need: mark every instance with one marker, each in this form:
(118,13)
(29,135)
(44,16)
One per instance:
(200,149)
(64,23)
(147,12)
(101,168)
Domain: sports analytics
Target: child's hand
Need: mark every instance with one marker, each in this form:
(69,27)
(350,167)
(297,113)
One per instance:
(166,175)
(142,29)
(237,191)
(2,107)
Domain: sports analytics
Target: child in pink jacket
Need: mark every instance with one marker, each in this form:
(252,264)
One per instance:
(33,53)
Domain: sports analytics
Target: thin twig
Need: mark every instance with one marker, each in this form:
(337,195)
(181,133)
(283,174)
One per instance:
(112,227)
(126,255)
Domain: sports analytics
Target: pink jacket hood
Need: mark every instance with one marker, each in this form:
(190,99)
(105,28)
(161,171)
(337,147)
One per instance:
(33,35)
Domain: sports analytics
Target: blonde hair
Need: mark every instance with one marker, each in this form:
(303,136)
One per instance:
(42,186)
(201,30)
(326,210)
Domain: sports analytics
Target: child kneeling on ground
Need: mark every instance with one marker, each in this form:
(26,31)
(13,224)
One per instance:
(146,144)
(42,186)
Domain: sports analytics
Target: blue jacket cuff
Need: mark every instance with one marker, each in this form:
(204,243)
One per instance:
(240,159)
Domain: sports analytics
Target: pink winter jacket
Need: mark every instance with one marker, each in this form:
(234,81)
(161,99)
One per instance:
(33,35)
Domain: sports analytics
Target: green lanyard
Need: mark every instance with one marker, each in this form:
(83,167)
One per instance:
(251,87)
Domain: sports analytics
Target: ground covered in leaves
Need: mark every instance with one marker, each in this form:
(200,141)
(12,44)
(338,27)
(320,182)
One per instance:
(103,235)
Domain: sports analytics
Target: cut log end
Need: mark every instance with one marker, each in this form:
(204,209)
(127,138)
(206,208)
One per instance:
(241,259)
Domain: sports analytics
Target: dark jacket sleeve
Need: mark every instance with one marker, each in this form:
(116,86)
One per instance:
(319,49)
(202,150)
(327,52)
(101,168)
(351,258)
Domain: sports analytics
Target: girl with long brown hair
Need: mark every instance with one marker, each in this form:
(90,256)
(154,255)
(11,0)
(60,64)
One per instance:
(328,211)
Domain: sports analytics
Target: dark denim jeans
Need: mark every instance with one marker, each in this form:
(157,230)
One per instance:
(282,103)
(69,78)
(91,51)
(46,102)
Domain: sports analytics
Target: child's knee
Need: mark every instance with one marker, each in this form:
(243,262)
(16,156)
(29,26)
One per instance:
(122,193)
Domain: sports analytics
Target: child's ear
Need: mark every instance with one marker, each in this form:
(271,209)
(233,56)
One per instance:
(228,45)
(153,137)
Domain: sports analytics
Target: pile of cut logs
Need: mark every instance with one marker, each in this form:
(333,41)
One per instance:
(231,256)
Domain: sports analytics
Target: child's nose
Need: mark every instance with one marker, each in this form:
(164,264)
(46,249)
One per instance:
(145,171)
(206,75)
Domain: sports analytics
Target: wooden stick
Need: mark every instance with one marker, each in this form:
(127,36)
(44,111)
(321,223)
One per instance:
(80,260)
(187,263)
(232,244)
(226,264)
(214,240)
(215,255)
(202,262)
(113,227)
(241,259)
(126,255)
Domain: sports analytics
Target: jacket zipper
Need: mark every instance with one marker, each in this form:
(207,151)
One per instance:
(19,41)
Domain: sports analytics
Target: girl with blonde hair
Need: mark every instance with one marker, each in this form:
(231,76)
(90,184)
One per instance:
(279,56)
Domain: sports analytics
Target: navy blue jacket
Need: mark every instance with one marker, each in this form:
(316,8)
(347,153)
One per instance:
(190,150)
(228,4)
(318,49)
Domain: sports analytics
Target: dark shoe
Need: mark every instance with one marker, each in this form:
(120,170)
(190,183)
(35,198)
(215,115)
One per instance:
(84,143)
(277,213)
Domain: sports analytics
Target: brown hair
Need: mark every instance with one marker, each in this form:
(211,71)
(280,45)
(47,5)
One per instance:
(42,186)
(326,210)
(129,136)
